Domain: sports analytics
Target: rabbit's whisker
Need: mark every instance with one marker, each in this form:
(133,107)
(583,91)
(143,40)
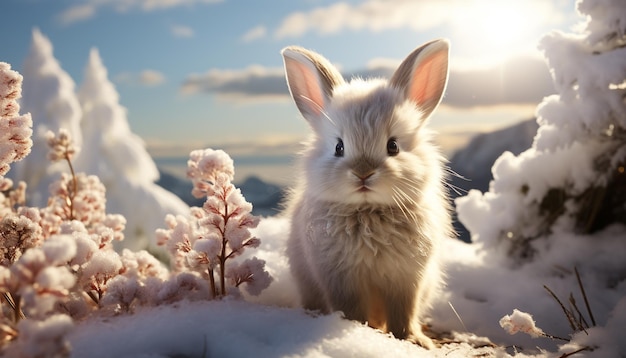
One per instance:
(318,107)
(401,198)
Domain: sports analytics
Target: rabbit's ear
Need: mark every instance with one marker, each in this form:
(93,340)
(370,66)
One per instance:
(311,79)
(423,75)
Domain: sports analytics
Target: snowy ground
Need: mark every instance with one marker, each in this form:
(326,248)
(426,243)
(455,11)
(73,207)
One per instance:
(272,326)
(269,327)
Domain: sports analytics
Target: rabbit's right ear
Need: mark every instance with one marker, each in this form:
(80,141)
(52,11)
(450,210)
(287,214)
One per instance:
(311,79)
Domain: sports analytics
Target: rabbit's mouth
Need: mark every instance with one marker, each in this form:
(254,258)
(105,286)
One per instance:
(364,189)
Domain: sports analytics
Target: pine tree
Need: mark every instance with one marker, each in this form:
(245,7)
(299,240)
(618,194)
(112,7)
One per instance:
(118,157)
(48,94)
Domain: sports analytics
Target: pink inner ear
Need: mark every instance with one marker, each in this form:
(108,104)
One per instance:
(427,79)
(310,92)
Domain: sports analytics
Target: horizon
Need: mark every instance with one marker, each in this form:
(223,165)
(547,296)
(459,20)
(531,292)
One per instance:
(191,77)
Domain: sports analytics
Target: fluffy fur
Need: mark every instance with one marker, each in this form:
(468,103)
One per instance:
(366,225)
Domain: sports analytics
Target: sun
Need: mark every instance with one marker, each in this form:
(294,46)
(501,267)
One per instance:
(501,25)
(498,29)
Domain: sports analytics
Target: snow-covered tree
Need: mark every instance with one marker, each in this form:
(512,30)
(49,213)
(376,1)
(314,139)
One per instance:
(119,158)
(559,208)
(48,94)
(573,178)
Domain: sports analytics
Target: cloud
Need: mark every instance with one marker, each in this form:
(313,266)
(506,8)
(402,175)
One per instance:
(523,80)
(148,78)
(379,15)
(182,31)
(254,34)
(252,83)
(77,13)
(88,9)
(520,80)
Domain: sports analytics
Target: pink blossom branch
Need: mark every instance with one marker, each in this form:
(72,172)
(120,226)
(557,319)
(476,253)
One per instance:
(212,282)
(222,256)
(72,193)
(15,304)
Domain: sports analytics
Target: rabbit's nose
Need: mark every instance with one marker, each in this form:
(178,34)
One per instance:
(363,176)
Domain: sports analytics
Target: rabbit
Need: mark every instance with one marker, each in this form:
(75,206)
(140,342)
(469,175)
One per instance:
(370,208)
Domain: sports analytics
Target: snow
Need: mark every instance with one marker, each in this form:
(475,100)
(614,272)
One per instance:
(49,95)
(482,291)
(534,238)
(213,329)
(107,148)
(271,326)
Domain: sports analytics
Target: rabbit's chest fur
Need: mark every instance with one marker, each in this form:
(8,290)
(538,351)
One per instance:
(366,240)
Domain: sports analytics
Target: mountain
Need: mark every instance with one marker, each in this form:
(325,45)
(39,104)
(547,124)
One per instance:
(265,197)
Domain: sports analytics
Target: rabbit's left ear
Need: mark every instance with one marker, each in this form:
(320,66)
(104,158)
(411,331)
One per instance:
(311,80)
(423,75)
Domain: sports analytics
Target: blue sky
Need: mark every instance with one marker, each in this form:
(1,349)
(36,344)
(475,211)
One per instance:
(197,73)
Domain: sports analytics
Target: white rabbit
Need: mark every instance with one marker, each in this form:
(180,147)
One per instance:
(370,209)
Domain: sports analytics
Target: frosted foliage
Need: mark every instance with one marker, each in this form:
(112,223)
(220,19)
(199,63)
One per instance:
(590,100)
(579,151)
(203,168)
(61,146)
(42,277)
(142,265)
(15,129)
(102,266)
(44,338)
(607,20)
(589,72)
(219,231)
(18,234)
(251,271)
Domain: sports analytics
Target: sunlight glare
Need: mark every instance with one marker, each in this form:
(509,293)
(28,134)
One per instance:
(496,30)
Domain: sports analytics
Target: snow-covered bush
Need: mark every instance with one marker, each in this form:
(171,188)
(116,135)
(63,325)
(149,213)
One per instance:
(97,123)
(217,232)
(15,137)
(58,264)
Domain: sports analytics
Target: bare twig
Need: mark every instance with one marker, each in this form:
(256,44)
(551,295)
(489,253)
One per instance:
(581,321)
(72,195)
(565,311)
(212,281)
(15,304)
(565,355)
(555,337)
(582,290)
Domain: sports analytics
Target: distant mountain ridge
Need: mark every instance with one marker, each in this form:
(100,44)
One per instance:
(473,164)
(265,197)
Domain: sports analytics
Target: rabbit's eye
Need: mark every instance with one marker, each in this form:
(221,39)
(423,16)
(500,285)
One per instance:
(339,148)
(392,147)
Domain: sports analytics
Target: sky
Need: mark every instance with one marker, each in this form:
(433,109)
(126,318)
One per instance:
(208,73)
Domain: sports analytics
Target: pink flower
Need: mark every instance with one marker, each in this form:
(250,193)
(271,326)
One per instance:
(252,273)
(61,145)
(203,168)
(15,130)
(205,242)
